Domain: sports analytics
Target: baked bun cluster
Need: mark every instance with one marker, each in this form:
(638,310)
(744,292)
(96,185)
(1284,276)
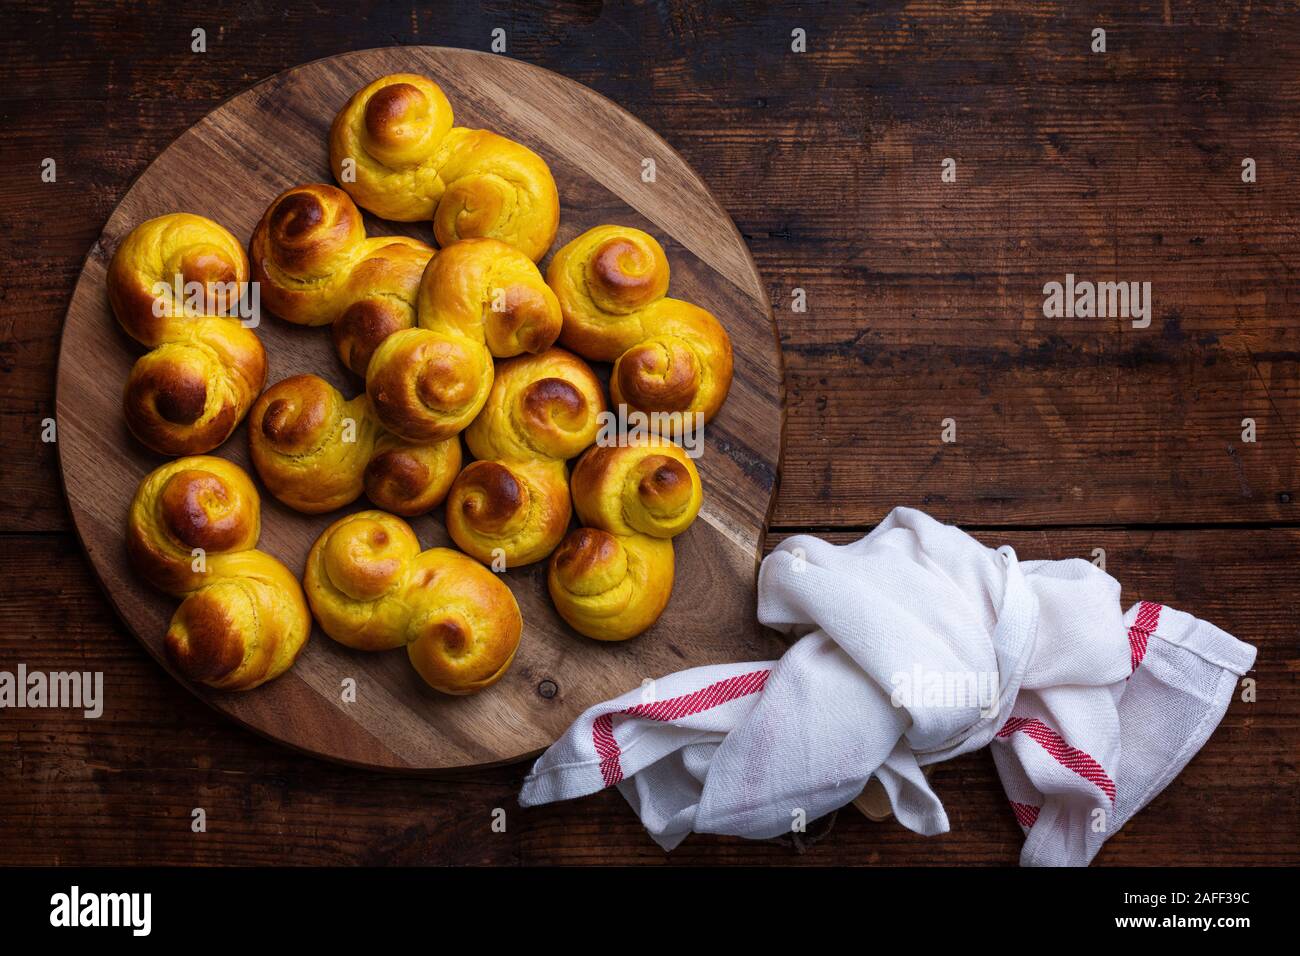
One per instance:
(315,265)
(461,338)
(394,147)
(317,451)
(192,532)
(611,578)
(372,588)
(511,506)
(668,355)
(172,282)
(478,299)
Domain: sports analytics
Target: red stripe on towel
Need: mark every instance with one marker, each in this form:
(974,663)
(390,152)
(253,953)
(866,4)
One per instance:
(1144,626)
(1061,752)
(675,708)
(1026,814)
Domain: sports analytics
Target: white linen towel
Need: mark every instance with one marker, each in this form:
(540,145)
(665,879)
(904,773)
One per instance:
(916,644)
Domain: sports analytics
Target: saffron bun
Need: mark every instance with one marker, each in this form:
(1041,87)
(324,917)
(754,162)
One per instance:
(478,298)
(317,451)
(372,588)
(395,149)
(512,503)
(668,355)
(192,532)
(612,578)
(314,265)
(203,368)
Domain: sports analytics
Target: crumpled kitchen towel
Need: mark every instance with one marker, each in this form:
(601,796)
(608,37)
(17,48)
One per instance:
(916,644)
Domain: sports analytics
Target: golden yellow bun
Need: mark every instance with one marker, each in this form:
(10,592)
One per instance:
(478,298)
(611,587)
(143,274)
(668,355)
(355,577)
(191,532)
(317,451)
(649,486)
(513,503)
(409,478)
(427,386)
(372,588)
(192,389)
(408,161)
(315,266)
(485,290)
(245,628)
(509,515)
(612,579)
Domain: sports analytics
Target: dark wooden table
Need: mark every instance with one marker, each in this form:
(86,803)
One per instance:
(924,302)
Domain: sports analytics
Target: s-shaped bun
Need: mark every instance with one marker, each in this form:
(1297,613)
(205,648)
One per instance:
(189,392)
(478,298)
(395,149)
(317,451)
(314,265)
(513,502)
(668,355)
(191,532)
(612,579)
(372,588)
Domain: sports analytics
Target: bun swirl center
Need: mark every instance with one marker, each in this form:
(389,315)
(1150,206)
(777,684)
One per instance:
(201,511)
(364,560)
(625,274)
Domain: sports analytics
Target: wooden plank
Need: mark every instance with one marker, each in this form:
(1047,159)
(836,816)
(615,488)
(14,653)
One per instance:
(122,788)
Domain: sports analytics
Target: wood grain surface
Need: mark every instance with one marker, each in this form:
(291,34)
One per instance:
(230,167)
(123,787)
(924,302)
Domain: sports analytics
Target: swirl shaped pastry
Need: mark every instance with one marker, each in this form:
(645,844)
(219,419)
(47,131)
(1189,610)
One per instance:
(611,579)
(478,298)
(315,266)
(317,451)
(513,502)
(372,588)
(394,147)
(192,532)
(170,282)
(668,355)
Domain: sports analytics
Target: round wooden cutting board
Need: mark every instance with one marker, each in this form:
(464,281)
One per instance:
(229,167)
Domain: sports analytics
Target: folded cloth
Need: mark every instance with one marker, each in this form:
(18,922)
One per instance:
(916,644)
